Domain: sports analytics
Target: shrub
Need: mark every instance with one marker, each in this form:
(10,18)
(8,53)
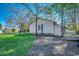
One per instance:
(13,30)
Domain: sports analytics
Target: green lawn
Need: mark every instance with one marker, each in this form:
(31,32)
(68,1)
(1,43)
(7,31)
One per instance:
(15,44)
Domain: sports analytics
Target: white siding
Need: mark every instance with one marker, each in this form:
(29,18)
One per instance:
(57,30)
(48,27)
(32,28)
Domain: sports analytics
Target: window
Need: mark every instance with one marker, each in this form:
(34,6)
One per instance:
(38,27)
(42,27)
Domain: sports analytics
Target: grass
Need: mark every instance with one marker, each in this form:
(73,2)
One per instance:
(15,44)
(70,35)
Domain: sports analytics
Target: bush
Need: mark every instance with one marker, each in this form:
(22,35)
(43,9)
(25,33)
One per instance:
(27,30)
(13,30)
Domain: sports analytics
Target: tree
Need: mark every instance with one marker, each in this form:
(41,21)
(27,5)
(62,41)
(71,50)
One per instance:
(57,7)
(20,16)
(36,11)
(63,8)
(9,22)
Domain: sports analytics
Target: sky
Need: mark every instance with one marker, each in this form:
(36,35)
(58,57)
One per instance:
(4,11)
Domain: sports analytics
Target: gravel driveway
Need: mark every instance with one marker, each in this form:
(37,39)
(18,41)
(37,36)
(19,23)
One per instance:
(53,46)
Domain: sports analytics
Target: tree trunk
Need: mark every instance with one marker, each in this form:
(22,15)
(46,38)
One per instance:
(36,25)
(36,18)
(74,20)
(62,22)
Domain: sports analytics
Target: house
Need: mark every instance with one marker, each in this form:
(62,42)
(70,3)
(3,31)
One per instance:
(11,30)
(1,31)
(45,26)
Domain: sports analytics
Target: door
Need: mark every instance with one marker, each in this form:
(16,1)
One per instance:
(41,28)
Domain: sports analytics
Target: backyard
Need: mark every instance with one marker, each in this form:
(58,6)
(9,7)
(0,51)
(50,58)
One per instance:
(15,44)
(39,29)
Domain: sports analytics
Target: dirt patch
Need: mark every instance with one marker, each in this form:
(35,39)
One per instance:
(52,46)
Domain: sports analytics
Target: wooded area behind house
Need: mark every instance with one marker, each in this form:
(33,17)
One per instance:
(66,15)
